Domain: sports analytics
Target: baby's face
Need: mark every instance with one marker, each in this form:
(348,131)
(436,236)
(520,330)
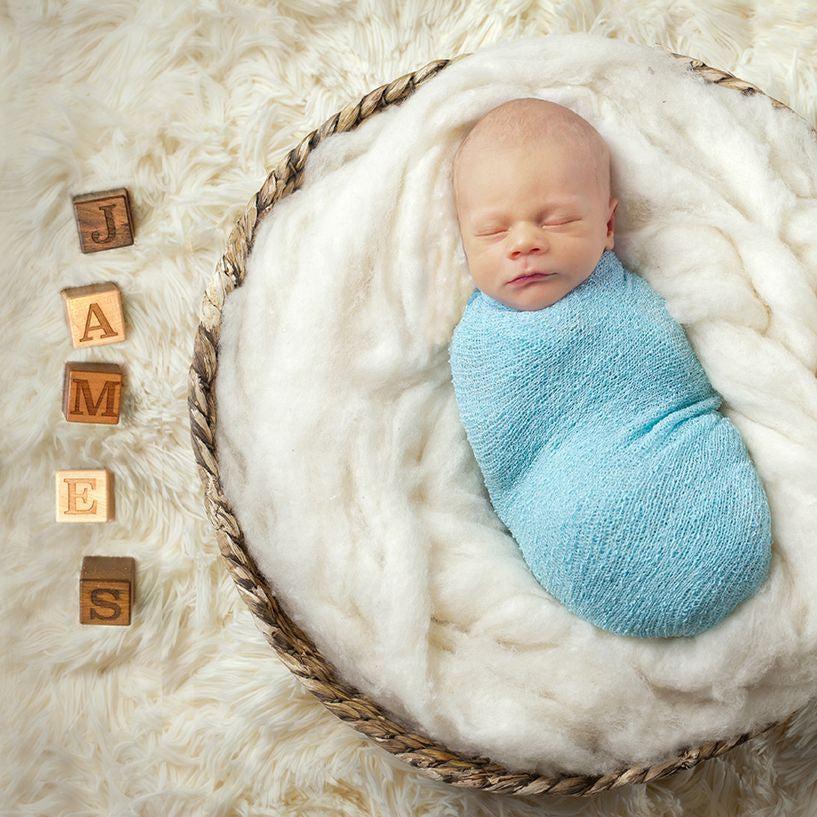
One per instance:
(532,209)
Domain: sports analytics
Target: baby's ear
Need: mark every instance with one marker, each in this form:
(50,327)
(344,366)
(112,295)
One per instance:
(611,224)
(611,219)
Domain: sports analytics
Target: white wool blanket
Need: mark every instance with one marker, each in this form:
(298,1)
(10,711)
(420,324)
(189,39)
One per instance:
(342,452)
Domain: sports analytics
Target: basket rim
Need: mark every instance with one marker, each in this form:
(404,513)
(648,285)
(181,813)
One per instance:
(292,645)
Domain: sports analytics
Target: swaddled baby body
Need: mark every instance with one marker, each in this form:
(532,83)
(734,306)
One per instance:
(633,500)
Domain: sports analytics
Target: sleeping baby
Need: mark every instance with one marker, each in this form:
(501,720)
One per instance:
(633,500)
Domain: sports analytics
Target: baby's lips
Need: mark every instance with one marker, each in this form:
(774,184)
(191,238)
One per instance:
(532,272)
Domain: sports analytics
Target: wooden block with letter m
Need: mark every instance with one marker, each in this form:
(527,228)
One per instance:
(92,392)
(107,589)
(103,220)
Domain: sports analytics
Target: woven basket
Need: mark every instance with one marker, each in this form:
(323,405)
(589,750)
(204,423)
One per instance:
(292,645)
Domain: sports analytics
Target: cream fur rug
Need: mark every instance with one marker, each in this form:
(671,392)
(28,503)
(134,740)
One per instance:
(188,711)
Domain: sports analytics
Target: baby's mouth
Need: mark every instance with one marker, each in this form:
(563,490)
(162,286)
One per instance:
(530,276)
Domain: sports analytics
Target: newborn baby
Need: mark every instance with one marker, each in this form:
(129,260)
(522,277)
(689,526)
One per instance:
(633,500)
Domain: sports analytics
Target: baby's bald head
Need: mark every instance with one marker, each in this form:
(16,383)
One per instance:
(534,123)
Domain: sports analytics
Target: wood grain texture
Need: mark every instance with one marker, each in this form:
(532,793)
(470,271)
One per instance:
(107,590)
(104,220)
(84,495)
(94,314)
(92,392)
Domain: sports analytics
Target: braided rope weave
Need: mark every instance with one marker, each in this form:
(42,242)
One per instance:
(292,645)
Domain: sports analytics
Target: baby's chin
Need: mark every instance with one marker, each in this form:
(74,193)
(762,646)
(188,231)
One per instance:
(538,293)
(532,296)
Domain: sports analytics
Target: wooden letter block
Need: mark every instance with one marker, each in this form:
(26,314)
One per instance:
(94,314)
(107,589)
(103,220)
(92,392)
(85,495)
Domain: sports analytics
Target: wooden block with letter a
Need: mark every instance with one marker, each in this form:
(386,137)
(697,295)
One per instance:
(92,392)
(94,314)
(103,219)
(107,589)
(85,495)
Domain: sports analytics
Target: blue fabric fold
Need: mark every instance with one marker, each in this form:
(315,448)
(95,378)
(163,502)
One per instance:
(633,500)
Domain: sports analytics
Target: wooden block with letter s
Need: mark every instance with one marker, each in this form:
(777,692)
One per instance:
(107,590)
(104,220)
(92,392)
(94,314)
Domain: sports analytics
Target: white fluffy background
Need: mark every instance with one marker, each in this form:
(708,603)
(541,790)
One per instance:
(188,711)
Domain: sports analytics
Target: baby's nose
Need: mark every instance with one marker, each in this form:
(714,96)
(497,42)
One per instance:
(527,238)
(523,244)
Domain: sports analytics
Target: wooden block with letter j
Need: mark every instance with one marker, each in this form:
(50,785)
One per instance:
(84,495)
(107,589)
(94,314)
(103,219)
(92,392)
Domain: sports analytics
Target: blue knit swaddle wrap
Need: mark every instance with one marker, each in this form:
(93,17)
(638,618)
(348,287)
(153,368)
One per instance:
(633,500)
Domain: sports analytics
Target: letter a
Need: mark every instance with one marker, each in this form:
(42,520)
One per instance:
(107,329)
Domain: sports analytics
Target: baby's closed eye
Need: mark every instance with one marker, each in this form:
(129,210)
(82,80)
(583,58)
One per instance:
(500,230)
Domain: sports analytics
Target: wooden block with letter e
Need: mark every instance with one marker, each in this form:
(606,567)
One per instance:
(92,392)
(94,314)
(107,589)
(84,495)
(103,219)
